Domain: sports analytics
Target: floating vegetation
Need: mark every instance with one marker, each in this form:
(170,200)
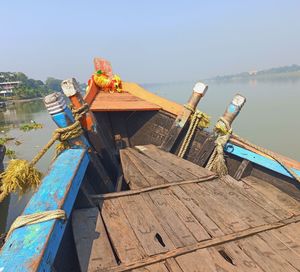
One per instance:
(17,142)
(5,139)
(10,153)
(30,126)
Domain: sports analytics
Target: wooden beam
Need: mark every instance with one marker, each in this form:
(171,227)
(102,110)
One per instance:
(234,108)
(63,117)
(206,149)
(244,170)
(182,119)
(97,137)
(151,188)
(203,244)
(92,91)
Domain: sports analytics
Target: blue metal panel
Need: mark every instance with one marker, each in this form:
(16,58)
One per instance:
(258,159)
(34,247)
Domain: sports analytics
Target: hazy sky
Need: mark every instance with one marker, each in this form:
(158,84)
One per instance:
(148,41)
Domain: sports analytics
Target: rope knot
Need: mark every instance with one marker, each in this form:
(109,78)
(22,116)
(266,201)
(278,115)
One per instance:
(21,176)
(217,162)
(189,107)
(198,119)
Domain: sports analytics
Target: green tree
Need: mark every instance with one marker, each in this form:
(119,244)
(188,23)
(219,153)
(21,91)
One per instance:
(53,84)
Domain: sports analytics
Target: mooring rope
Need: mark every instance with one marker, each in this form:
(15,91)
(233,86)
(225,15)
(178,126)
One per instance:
(38,217)
(21,175)
(198,119)
(217,162)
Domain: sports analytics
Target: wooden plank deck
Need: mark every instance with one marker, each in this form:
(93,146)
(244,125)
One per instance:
(180,217)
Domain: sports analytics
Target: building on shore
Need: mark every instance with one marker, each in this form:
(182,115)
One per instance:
(7,88)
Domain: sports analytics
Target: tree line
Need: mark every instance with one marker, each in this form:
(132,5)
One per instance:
(31,88)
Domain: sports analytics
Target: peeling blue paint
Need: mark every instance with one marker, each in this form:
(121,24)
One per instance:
(232,108)
(34,247)
(258,159)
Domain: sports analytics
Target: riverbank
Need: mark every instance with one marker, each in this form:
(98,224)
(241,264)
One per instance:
(10,101)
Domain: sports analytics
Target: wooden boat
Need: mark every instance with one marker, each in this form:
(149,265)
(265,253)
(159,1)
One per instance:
(132,204)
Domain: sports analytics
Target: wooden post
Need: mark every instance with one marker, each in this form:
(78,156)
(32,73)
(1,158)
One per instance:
(229,115)
(234,108)
(98,138)
(199,91)
(63,117)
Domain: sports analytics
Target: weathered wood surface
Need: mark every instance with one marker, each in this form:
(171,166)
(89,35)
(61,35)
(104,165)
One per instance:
(146,166)
(258,197)
(243,170)
(158,131)
(124,101)
(274,194)
(100,197)
(183,117)
(231,245)
(220,224)
(93,247)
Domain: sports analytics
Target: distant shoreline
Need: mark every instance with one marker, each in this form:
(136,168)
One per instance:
(23,100)
(291,72)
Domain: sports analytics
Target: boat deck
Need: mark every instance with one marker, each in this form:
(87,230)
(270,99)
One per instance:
(181,217)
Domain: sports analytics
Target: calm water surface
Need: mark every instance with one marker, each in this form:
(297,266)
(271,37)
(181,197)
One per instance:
(269,118)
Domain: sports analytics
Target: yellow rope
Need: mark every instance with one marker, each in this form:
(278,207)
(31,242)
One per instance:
(216,161)
(35,218)
(199,119)
(21,175)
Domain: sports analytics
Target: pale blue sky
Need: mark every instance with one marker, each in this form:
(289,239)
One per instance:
(148,41)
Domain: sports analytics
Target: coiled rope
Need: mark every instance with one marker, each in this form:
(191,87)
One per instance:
(198,119)
(21,175)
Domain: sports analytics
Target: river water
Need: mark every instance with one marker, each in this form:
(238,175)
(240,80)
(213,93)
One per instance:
(269,118)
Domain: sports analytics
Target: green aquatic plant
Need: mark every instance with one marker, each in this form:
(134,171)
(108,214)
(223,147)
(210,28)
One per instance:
(5,139)
(30,126)
(10,153)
